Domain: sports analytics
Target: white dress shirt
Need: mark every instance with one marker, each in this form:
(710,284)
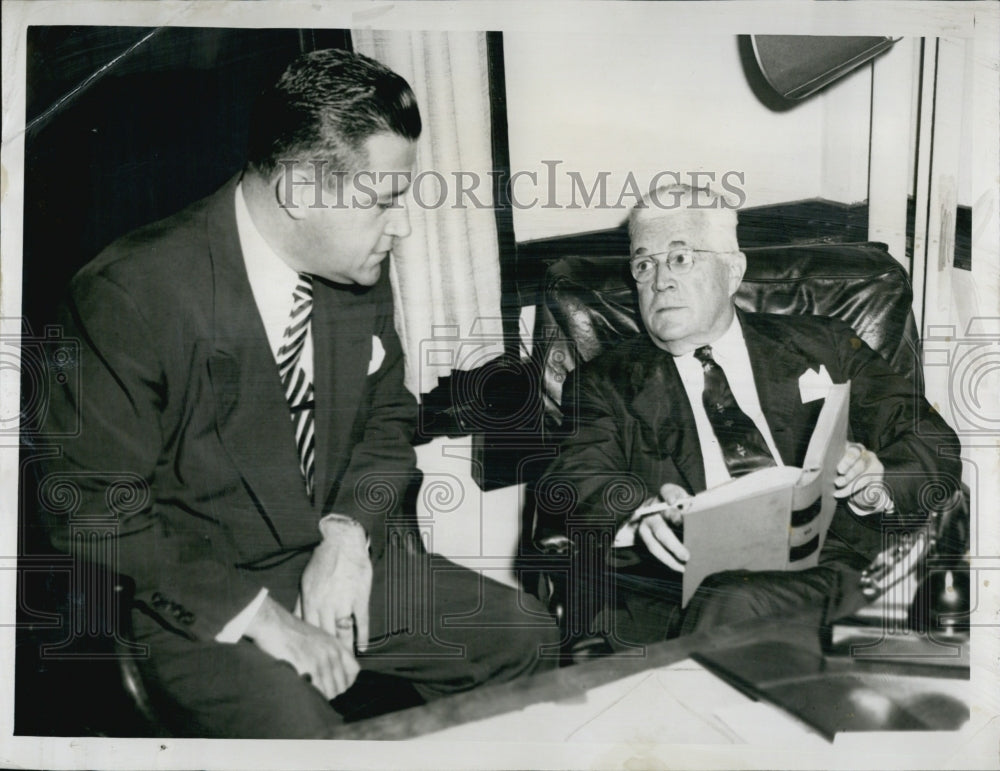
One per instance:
(271,281)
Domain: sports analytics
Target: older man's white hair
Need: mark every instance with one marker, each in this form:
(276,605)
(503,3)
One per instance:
(704,218)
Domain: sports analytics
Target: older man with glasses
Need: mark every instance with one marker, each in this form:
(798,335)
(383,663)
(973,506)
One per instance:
(708,394)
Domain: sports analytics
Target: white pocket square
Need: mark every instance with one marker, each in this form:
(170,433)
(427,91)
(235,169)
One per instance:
(814,385)
(378,354)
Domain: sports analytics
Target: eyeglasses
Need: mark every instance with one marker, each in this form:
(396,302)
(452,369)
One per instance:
(678,261)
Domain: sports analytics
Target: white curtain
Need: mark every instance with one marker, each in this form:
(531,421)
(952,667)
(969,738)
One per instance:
(446,275)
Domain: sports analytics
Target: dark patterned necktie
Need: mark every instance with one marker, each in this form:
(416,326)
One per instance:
(298,385)
(743,446)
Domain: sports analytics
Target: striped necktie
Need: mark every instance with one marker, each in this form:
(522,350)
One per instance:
(296,380)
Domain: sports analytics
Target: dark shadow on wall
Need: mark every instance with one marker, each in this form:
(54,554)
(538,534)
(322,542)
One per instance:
(128,125)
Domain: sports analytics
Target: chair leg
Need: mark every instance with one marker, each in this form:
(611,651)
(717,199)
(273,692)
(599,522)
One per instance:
(133,685)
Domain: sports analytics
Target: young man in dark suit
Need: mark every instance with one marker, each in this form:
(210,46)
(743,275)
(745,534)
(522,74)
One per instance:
(707,394)
(242,383)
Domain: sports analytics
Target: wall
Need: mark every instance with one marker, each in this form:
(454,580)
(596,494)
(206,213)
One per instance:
(646,103)
(479,530)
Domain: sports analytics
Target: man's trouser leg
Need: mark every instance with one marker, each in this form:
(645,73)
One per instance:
(444,628)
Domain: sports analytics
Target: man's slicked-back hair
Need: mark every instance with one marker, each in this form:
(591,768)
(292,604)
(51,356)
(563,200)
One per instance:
(324,107)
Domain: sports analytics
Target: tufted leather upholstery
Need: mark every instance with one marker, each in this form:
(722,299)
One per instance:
(589,301)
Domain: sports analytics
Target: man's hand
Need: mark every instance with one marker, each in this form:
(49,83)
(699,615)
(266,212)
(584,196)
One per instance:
(328,662)
(657,530)
(860,477)
(337,582)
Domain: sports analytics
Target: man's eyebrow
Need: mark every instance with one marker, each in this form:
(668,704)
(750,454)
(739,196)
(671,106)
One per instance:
(640,251)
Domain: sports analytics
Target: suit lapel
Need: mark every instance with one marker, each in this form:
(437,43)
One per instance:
(251,411)
(343,319)
(776,370)
(661,403)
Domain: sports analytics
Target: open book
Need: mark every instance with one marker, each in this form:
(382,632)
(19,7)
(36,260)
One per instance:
(772,519)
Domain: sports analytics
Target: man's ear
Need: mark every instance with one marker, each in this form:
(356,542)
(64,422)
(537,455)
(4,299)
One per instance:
(296,190)
(737,267)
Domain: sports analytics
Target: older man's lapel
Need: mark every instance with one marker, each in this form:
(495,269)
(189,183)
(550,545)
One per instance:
(251,410)
(661,404)
(777,366)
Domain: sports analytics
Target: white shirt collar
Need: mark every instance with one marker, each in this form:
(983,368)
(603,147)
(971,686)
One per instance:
(730,344)
(271,280)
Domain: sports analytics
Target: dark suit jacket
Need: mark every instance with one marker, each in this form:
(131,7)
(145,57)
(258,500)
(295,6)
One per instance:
(630,427)
(186,450)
